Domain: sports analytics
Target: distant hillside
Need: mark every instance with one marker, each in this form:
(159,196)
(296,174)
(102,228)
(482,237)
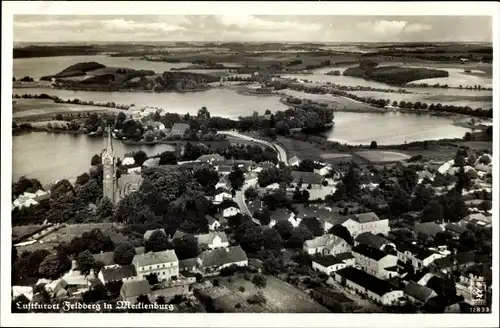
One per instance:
(75,70)
(52,51)
(394,75)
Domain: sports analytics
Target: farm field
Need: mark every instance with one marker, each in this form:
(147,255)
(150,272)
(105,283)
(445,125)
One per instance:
(36,109)
(19,232)
(379,156)
(71,231)
(281,297)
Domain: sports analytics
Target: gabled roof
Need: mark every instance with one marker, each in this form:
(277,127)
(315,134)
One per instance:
(321,213)
(108,257)
(421,293)
(327,261)
(188,263)
(428,228)
(369,282)
(135,288)
(148,233)
(366,217)
(208,238)
(119,273)
(477,216)
(152,258)
(370,252)
(178,234)
(306,177)
(344,256)
(327,241)
(368,238)
(221,256)
(461,258)
(180,127)
(266,165)
(455,228)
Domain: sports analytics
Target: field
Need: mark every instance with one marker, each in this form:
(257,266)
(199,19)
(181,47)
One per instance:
(40,109)
(306,150)
(281,297)
(69,232)
(379,156)
(20,232)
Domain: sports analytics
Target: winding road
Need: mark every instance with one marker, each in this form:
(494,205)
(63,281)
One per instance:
(280,150)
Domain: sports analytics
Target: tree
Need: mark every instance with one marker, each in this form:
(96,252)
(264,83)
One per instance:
(186,247)
(299,236)
(373,145)
(421,197)
(124,253)
(237,178)
(105,208)
(96,159)
(282,128)
(85,262)
(140,157)
(485,206)
(259,280)
(207,178)
(120,119)
(313,225)
(443,238)
(284,228)
(342,232)
(157,242)
(54,266)
(272,239)
(168,158)
(83,179)
(251,193)
(433,211)
(203,113)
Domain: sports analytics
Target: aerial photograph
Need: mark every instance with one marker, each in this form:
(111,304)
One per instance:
(252,164)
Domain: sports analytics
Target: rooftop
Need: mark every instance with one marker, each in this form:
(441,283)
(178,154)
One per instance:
(421,293)
(363,279)
(152,258)
(327,261)
(366,217)
(428,228)
(221,256)
(208,238)
(306,177)
(119,273)
(371,252)
(368,238)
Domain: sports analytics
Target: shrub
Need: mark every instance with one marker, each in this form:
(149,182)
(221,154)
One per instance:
(215,283)
(256,299)
(247,277)
(259,281)
(241,289)
(237,306)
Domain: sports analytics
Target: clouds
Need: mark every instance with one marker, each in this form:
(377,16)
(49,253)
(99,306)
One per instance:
(244,27)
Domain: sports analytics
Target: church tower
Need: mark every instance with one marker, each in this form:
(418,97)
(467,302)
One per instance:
(109,170)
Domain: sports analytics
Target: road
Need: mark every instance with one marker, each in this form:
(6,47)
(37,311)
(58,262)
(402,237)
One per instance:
(239,198)
(280,150)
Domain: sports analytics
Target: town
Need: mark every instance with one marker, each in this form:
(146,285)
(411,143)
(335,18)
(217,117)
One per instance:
(248,229)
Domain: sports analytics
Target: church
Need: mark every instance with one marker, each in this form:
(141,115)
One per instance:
(116,188)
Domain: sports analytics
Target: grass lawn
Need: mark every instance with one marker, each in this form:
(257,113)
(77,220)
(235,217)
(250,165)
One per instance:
(380,156)
(66,234)
(307,150)
(25,230)
(281,297)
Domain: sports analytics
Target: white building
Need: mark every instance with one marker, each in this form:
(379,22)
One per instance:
(360,223)
(163,264)
(213,240)
(230,211)
(326,245)
(220,197)
(128,161)
(375,262)
(328,264)
(294,161)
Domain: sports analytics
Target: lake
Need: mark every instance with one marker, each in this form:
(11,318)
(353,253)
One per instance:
(42,66)
(53,156)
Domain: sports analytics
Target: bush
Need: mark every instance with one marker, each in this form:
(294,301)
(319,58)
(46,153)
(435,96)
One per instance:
(247,277)
(237,306)
(373,145)
(256,299)
(215,283)
(241,289)
(259,281)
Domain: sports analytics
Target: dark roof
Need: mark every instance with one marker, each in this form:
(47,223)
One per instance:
(210,219)
(369,282)
(320,213)
(119,273)
(327,261)
(419,252)
(419,292)
(368,238)
(307,177)
(366,217)
(224,168)
(180,127)
(344,256)
(371,252)
(428,228)
(454,228)
(281,214)
(188,263)
(461,258)
(221,256)
(135,288)
(339,297)
(108,257)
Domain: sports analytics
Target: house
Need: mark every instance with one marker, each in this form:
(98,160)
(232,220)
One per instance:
(155,125)
(118,273)
(28,199)
(223,183)
(324,215)
(136,169)
(294,161)
(307,178)
(418,257)
(128,161)
(230,211)
(446,265)
(212,261)
(219,198)
(369,239)
(283,214)
(424,174)
(330,298)
(323,171)
(477,219)
(213,240)
(149,233)
(418,294)
(179,129)
(22,290)
(455,229)
(213,224)
(163,264)
(327,264)
(188,265)
(243,165)
(364,222)
(224,169)
(76,281)
(483,168)
(427,231)
(375,262)
(326,245)
(132,289)
(347,258)
(273,186)
(373,288)
(210,158)
(251,179)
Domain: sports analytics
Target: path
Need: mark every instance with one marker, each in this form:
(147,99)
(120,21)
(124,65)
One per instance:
(280,150)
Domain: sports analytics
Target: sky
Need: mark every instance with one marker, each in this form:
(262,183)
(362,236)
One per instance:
(251,28)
